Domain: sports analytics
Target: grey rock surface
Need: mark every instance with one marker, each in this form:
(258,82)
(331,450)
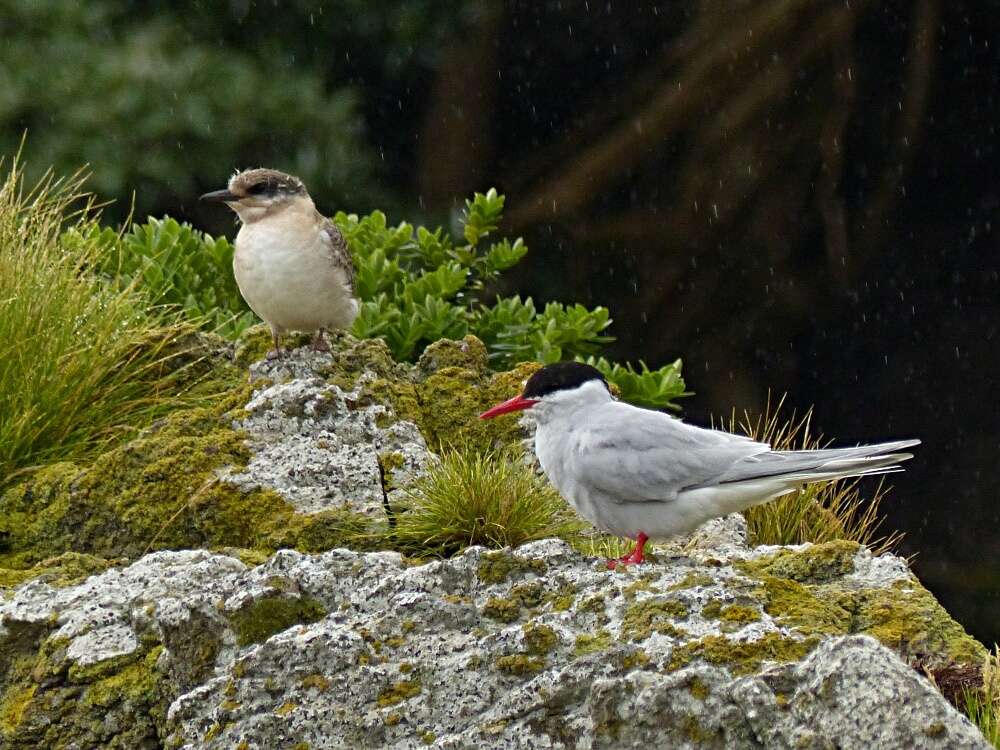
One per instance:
(541,647)
(316,445)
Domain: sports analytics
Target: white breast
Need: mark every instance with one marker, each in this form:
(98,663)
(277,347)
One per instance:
(286,275)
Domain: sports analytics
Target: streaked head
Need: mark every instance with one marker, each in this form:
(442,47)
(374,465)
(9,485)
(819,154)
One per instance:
(256,193)
(570,384)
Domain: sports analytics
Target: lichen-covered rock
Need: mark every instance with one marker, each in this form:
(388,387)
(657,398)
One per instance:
(308,454)
(535,647)
(144,602)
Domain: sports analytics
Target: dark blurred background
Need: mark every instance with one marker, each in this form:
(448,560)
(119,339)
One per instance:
(793,195)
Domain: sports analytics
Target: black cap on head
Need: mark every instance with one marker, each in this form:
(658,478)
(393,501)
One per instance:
(560,376)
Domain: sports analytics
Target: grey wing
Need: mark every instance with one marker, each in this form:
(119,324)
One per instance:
(635,455)
(336,248)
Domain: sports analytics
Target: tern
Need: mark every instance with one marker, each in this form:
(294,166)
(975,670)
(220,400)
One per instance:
(291,263)
(643,474)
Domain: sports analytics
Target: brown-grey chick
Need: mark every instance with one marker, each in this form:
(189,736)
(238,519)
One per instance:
(291,263)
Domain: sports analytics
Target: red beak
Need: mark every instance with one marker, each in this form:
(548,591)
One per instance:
(512,404)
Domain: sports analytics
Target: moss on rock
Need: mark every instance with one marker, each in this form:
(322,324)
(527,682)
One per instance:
(802,589)
(742,657)
(399,692)
(588,643)
(652,615)
(539,639)
(67,569)
(813,563)
(117,705)
(262,618)
(497,567)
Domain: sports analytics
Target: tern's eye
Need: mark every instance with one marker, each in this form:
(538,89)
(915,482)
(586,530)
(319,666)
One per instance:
(259,189)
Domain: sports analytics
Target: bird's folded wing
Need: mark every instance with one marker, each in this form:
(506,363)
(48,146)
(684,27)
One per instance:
(636,455)
(335,248)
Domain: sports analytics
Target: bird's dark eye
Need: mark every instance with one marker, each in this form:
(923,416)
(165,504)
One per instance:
(259,189)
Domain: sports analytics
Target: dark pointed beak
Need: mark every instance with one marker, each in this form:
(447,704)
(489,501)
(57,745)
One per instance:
(517,403)
(220,196)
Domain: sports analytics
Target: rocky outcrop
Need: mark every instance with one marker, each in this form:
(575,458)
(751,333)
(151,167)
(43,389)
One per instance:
(213,584)
(305,456)
(536,647)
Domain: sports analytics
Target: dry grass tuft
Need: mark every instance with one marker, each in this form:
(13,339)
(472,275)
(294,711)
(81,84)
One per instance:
(820,512)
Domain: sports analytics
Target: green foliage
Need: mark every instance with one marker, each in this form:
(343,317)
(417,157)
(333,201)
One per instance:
(492,499)
(645,387)
(416,286)
(982,704)
(177,265)
(820,512)
(81,360)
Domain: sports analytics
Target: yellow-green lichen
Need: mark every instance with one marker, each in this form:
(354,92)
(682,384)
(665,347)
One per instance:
(908,619)
(286,708)
(504,610)
(497,567)
(13,707)
(562,597)
(539,639)
(653,615)
(428,737)
(520,664)
(399,692)
(316,682)
(642,584)
(634,659)
(904,617)
(731,615)
(699,688)
(392,719)
(589,643)
(67,569)
(813,563)
(741,657)
(691,580)
(797,605)
(264,617)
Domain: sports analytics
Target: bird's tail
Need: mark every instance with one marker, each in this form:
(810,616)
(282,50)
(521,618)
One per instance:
(791,468)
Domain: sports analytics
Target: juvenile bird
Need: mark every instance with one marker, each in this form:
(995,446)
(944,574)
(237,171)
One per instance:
(643,474)
(291,263)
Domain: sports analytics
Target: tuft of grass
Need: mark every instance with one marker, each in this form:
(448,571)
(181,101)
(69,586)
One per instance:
(491,499)
(982,705)
(820,512)
(81,360)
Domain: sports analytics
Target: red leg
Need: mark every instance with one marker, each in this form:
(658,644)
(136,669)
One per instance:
(635,556)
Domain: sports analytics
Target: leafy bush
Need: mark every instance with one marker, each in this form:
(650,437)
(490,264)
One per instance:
(416,286)
(81,360)
(493,499)
(175,264)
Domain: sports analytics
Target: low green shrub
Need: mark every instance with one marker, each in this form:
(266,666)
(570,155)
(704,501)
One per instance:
(416,286)
(176,265)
